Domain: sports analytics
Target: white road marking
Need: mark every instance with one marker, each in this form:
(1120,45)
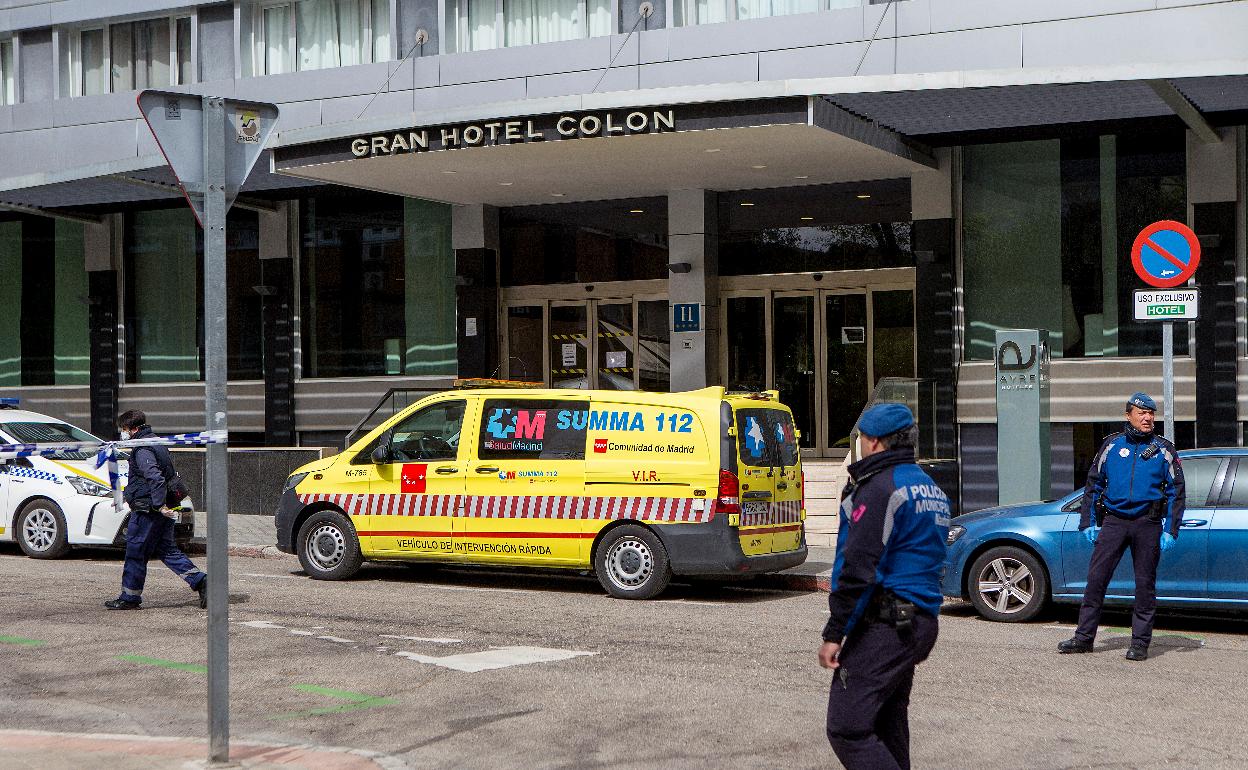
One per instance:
(275,577)
(1061,627)
(297,632)
(432,640)
(337,639)
(259,624)
(481,589)
(494,658)
(695,601)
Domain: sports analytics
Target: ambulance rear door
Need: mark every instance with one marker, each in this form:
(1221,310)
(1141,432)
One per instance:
(770,476)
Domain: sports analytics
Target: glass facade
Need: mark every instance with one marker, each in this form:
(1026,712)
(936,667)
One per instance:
(479,25)
(714,11)
(378,279)
(816,228)
(1062,214)
(8,74)
(317,34)
(164,296)
(44,303)
(622,240)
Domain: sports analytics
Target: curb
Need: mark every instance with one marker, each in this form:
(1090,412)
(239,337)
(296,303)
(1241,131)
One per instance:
(245,551)
(795,582)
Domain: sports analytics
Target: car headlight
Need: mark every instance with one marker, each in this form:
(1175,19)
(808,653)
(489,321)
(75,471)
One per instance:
(293,481)
(88,487)
(955,532)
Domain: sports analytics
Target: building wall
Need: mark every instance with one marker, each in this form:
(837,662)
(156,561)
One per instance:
(914,36)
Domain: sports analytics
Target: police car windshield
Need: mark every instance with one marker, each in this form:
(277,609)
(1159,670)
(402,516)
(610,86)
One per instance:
(49,433)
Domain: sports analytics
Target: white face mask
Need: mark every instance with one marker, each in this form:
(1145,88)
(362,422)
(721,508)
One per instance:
(125,435)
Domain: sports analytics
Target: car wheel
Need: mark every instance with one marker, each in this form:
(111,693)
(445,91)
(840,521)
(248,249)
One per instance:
(1008,584)
(631,563)
(41,530)
(328,546)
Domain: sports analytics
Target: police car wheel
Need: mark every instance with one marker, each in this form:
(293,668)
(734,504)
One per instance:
(328,547)
(41,530)
(631,563)
(1008,585)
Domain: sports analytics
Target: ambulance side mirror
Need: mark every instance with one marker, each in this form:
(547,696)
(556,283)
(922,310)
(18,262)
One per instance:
(381,455)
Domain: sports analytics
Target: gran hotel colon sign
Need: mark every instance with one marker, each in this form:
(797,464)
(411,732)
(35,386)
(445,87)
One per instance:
(542,128)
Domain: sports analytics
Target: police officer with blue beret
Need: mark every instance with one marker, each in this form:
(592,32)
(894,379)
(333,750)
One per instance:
(885,594)
(1134,499)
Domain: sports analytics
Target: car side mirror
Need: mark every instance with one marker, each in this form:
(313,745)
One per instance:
(381,454)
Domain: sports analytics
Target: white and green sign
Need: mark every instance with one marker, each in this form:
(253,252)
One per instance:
(1166,304)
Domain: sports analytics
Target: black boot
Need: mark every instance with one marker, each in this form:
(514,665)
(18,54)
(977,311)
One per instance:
(1138,652)
(202,589)
(119,604)
(1073,646)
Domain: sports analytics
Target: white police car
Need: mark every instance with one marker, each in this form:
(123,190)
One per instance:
(48,504)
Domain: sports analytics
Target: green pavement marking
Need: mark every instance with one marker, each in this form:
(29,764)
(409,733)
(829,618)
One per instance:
(357,701)
(194,668)
(22,641)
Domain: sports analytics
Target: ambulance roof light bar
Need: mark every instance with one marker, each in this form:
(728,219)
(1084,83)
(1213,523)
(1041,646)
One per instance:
(478,383)
(10,403)
(757,395)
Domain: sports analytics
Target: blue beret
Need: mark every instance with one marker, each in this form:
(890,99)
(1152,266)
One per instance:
(1142,401)
(885,420)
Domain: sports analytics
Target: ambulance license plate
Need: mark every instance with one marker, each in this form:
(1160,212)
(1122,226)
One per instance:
(754,509)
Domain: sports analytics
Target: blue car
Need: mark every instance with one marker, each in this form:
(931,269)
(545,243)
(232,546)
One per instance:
(1011,561)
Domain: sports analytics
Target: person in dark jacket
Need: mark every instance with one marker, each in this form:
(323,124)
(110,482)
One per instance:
(149,535)
(885,594)
(1134,499)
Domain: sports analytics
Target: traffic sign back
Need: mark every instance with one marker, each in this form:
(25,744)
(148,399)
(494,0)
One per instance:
(1165,254)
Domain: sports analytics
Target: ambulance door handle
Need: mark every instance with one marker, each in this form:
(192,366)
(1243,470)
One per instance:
(781,485)
(488,469)
(760,495)
(445,471)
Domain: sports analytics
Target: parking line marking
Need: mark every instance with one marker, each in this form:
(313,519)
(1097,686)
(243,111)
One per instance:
(275,577)
(432,640)
(22,641)
(494,658)
(259,624)
(337,639)
(194,668)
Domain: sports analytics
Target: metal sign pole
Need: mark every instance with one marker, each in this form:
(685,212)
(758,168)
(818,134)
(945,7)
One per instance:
(216,476)
(1167,374)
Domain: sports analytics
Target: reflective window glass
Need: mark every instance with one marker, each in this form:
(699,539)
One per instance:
(1198,474)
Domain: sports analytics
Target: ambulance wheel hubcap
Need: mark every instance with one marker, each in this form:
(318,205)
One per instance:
(630,563)
(326,546)
(40,529)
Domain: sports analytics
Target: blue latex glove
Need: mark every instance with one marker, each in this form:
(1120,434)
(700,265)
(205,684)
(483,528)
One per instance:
(1092,532)
(1167,541)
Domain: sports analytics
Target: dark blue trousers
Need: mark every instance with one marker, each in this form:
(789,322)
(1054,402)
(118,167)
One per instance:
(150,536)
(1143,537)
(869,704)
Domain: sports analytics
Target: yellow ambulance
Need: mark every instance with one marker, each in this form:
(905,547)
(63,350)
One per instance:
(636,486)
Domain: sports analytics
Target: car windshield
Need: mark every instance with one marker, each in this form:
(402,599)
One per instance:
(49,433)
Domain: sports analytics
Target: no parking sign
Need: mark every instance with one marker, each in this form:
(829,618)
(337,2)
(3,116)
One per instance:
(1165,254)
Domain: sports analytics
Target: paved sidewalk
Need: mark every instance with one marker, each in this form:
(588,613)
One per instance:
(70,751)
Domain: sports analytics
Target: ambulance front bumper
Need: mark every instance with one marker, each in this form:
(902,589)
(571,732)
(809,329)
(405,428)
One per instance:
(714,548)
(288,508)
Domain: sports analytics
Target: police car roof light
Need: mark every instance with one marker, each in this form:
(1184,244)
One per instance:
(10,403)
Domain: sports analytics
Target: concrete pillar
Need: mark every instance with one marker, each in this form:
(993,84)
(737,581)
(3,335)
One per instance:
(277,271)
(102,252)
(475,239)
(693,278)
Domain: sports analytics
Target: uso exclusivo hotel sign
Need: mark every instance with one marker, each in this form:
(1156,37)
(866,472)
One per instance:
(541,128)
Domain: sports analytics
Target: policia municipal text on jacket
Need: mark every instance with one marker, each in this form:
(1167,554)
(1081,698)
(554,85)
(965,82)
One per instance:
(885,594)
(149,534)
(1134,499)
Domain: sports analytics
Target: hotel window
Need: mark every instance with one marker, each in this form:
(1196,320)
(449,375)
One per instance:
(690,12)
(317,34)
(1063,212)
(150,53)
(475,24)
(8,75)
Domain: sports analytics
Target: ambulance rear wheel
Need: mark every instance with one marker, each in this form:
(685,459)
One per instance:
(631,563)
(328,547)
(41,530)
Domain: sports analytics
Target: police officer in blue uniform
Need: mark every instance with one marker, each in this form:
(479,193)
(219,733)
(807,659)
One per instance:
(885,594)
(1134,499)
(149,534)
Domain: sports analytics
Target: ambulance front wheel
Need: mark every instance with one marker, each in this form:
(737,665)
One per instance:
(328,547)
(41,530)
(631,563)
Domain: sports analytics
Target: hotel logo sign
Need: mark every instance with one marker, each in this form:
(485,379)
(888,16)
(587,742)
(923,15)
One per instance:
(492,133)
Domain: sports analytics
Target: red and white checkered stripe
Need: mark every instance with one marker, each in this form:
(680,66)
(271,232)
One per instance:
(665,509)
(783,512)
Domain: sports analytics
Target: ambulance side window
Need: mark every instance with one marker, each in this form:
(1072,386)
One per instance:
(429,434)
(533,429)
